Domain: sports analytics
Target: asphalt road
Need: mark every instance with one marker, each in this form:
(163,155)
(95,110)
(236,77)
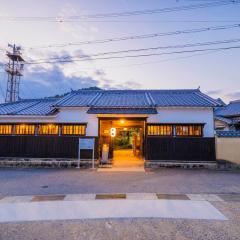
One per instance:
(70,181)
(67,181)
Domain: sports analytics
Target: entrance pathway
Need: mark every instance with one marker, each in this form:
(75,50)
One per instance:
(125,161)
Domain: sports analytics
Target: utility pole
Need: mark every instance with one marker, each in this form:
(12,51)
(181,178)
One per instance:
(14,70)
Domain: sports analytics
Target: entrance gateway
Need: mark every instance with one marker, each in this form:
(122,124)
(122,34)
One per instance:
(124,140)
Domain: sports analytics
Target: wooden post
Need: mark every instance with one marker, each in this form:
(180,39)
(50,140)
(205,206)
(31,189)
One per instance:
(78,165)
(93,153)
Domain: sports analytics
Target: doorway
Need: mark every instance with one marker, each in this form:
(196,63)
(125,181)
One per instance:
(125,140)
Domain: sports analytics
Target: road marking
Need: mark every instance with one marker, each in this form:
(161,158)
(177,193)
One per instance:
(205,197)
(100,209)
(41,198)
(111,196)
(79,197)
(230,197)
(16,199)
(173,196)
(134,196)
(142,196)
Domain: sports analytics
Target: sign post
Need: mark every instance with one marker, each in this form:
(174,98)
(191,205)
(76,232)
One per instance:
(87,144)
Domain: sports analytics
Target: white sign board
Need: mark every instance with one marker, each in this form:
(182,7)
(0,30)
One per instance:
(86,143)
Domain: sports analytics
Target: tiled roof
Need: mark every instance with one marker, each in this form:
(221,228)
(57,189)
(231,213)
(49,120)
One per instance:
(228,133)
(221,102)
(232,109)
(147,100)
(94,110)
(223,119)
(28,107)
(80,98)
(137,98)
(236,120)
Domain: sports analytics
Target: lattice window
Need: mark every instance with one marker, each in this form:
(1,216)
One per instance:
(189,130)
(48,129)
(5,129)
(73,129)
(24,129)
(160,130)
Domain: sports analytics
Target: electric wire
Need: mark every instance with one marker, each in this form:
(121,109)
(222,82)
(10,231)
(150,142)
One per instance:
(143,36)
(123,14)
(134,56)
(140,50)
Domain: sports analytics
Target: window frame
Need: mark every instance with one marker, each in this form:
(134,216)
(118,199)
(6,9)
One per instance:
(15,126)
(174,129)
(82,125)
(47,134)
(10,132)
(159,129)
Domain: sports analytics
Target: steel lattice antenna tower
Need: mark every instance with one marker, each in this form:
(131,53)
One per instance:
(14,70)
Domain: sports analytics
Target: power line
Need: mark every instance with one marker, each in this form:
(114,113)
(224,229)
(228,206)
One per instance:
(158,61)
(152,62)
(123,14)
(136,56)
(148,21)
(143,36)
(140,50)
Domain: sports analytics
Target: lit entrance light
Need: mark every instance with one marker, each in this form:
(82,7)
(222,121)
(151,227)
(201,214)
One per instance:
(113,132)
(122,121)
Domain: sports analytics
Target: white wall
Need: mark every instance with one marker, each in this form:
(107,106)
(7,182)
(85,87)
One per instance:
(186,115)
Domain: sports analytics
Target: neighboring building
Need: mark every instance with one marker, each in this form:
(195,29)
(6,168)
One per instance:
(228,117)
(163,124)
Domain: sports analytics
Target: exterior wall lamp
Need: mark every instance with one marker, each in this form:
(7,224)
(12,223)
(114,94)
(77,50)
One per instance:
(113,132)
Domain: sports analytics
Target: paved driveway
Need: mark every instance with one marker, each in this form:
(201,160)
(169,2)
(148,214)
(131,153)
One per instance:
(68,181)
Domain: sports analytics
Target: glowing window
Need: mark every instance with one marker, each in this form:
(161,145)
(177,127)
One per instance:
(160,130)
(73,130)
(188,130)
(23,129)
(48,129)
(5,129)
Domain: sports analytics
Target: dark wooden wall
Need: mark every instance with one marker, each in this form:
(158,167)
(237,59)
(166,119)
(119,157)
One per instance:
(185,149)
(43,147)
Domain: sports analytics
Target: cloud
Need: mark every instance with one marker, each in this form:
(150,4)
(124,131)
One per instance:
(214,92)
(75,29)
(233,95)
(48,82)
(49,79)
(100,72)
(125,85)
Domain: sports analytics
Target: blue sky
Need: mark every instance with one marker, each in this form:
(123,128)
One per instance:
(217,73)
